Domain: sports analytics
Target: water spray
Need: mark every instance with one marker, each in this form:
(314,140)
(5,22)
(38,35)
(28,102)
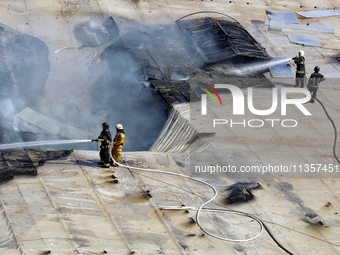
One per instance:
(256,67)
(64,48)
(40,143)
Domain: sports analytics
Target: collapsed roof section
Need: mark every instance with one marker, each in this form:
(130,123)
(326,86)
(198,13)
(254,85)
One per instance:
(219,39)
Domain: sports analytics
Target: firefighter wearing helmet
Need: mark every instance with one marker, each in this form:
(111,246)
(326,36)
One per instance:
(105,138)
(300,69)
(118,144)
(313,83)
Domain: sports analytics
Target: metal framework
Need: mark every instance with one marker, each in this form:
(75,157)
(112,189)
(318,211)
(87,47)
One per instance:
(219,39)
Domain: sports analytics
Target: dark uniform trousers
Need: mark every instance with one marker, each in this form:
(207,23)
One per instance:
(300,80)
(105,154)
(105,147)
(313,84)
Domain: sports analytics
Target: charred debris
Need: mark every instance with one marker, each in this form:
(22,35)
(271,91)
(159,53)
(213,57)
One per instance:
(25,162)
(197,48)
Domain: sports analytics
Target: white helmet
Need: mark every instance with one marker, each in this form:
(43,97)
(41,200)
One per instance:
(119,126)
(301,53)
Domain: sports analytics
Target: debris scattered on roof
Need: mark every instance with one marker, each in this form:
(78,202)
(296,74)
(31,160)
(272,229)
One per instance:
(319,14)
(5,172)
(19,162)
(173,92)
(240,192)
(307,40)
(24,162)
(281,70)
(286,17)
(257,22)
(274,25)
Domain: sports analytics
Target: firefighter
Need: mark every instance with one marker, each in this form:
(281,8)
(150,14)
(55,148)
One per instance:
(105,138)
(313,83)
(300,69)
(118,144)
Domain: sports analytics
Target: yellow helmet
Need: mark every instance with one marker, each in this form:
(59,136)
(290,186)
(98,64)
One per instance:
(119,126)
(301,53)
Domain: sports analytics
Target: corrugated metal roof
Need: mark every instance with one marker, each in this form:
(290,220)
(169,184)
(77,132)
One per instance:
(218,39)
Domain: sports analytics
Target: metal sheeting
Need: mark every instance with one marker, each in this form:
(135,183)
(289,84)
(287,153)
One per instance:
(307,40)
(281,70)
(217,39)
(51,126)
(319,14)
(274,25)
(177,134)
(287,17)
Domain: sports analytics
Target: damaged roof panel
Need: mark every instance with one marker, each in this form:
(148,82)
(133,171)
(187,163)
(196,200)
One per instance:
(217,39)
(173,92)
(52,126)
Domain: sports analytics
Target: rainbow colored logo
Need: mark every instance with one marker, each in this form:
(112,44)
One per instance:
(208,92)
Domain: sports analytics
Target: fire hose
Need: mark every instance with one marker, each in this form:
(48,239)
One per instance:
(204,204)
(262,225)
(335,131)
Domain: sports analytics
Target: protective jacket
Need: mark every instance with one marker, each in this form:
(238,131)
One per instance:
(315,79)
(119,140)
(300,65)
(118,145)
(107,138)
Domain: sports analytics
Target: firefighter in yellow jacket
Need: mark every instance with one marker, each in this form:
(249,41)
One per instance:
(118,144)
